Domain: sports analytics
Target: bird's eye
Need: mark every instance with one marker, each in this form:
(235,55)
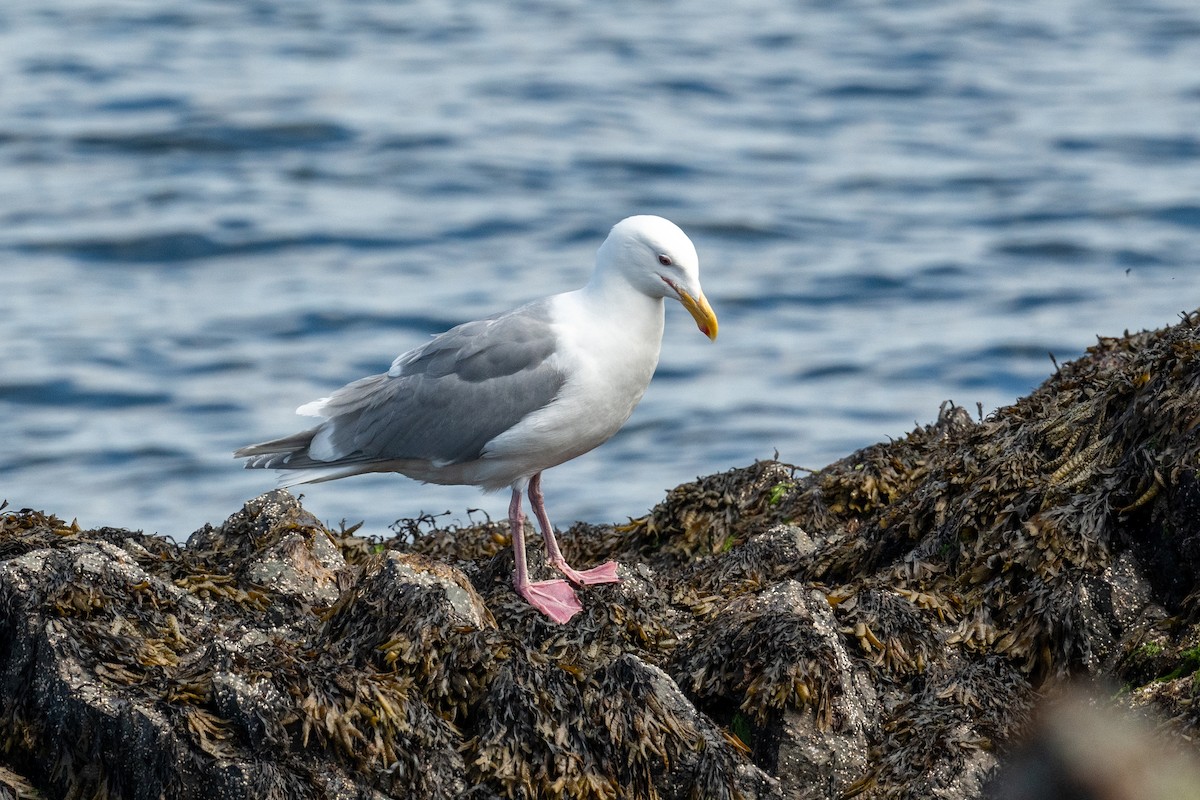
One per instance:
(665,260)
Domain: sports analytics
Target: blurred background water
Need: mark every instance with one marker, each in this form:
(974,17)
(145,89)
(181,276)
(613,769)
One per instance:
(213,211)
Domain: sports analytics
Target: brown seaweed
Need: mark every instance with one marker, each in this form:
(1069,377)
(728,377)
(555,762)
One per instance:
(882,627)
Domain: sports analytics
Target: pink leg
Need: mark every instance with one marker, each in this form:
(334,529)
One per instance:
(605,573)
(553,598)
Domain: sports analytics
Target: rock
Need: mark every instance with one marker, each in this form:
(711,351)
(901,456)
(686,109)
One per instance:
(282,548)
(881,628)
(708,752)
(83,624)
(823,747)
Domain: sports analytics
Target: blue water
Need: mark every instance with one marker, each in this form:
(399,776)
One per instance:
(213,211)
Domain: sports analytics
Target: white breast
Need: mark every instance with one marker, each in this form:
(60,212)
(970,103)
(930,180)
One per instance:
(608,359)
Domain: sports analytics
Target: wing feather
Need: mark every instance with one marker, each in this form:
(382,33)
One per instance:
(440,403)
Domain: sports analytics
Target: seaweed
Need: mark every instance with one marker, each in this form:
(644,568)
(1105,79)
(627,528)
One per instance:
(881,627)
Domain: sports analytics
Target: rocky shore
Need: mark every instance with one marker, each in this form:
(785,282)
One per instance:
(1005,607)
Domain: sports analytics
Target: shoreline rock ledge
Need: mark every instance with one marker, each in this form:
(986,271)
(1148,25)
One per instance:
(890,626)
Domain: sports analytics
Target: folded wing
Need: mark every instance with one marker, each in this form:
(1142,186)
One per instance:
(439,404)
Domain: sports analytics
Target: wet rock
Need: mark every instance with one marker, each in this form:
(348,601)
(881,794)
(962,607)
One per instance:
(822,747)
(280,547)
(82,624)
(709,761)
(881,628)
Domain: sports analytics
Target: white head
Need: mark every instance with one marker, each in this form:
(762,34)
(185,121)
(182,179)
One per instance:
(659,260)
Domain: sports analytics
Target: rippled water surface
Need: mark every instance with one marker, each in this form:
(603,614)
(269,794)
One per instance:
(212,212)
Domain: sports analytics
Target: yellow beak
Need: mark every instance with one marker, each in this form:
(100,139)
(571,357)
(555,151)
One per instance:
(701,311)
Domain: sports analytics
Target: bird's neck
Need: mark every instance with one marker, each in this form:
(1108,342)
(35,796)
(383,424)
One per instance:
(608,285)
(612,297)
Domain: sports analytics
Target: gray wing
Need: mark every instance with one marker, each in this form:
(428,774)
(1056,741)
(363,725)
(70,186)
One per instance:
(444,401)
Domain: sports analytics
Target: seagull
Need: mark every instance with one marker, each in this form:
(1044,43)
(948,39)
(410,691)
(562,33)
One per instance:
(495,402)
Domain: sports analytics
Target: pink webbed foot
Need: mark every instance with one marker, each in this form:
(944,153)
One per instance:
(556,599)
(605,573)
